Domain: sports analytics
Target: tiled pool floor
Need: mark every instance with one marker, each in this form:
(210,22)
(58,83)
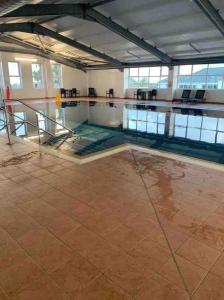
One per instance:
(128,226)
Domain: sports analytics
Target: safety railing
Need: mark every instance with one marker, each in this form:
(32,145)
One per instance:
(7,123)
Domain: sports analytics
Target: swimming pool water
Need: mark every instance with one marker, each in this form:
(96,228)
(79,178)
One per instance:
(188,131)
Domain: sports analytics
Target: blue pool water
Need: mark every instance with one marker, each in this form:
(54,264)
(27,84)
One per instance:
(190,131)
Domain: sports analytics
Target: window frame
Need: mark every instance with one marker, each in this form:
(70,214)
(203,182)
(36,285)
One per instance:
(207,75)
(15,76)
(148,84)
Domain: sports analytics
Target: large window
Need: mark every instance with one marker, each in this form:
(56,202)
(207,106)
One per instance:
(14,75)
(153,77)
(201,76)
(37,76)
(57,75)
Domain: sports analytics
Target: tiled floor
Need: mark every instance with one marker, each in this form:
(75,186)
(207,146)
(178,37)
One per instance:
(90,232)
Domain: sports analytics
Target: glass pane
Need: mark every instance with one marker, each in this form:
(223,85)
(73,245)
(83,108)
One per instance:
(193,134)
(163,84)
(142,115)
(155,71)
(56,72)
(185,70)
(194,121)
(151,127)
(216,69)
(15,82)
(20,129)
(141,126)
(13,69)
(198,82)
(133,72)
(154,82)
(209,123)
(152,116)
(181,120)
(37,75)
(180,132)
(132,125)
(161,128)
(143,71)
(133,82)
(208,136)
(161,118)
(165,71)
(184,82)
(132,114)
(221,125)
(215,82)
(220,138)
(143,82)
(200,69)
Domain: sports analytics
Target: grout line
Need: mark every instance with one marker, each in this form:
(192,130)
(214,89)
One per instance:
(209,271)
(161,227)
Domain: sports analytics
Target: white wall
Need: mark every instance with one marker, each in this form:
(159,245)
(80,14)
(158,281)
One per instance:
(103,80)
(71,78)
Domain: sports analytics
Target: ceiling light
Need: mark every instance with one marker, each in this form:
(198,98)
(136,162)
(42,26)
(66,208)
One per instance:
(25,59)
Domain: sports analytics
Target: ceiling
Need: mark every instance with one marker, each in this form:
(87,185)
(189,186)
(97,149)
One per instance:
(178,28)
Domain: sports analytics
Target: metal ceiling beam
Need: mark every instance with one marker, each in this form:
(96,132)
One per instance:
(212,13)
(31,10)
(38,29)
(98,3)
(87,12)
(125,33)
(175,62)
(32,49)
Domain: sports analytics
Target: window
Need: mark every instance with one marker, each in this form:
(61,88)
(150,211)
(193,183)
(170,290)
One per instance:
(153,77)
(199,128)
(37,76)
(57,75)
(201,76)
(14,75)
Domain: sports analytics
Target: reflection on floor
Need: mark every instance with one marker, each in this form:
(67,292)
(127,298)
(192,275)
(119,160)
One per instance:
(129,226)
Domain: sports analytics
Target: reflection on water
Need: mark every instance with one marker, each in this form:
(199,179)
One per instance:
(194,132)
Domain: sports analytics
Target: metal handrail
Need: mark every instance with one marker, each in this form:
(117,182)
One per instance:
(30,123)
(49,118)
(7,122)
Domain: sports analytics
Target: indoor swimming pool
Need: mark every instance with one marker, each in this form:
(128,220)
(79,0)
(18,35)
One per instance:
(99,126)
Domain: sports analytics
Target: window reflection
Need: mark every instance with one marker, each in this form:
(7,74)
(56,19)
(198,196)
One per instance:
(199,128)
(146,121)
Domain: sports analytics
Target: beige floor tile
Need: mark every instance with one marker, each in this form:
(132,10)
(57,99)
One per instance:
(199,253)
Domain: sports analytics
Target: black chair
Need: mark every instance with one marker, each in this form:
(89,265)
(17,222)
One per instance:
(75,93)
(92,92)
(63,93)
(185,96)
(199,97)
(152,94)
(110,93)
(138,94)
